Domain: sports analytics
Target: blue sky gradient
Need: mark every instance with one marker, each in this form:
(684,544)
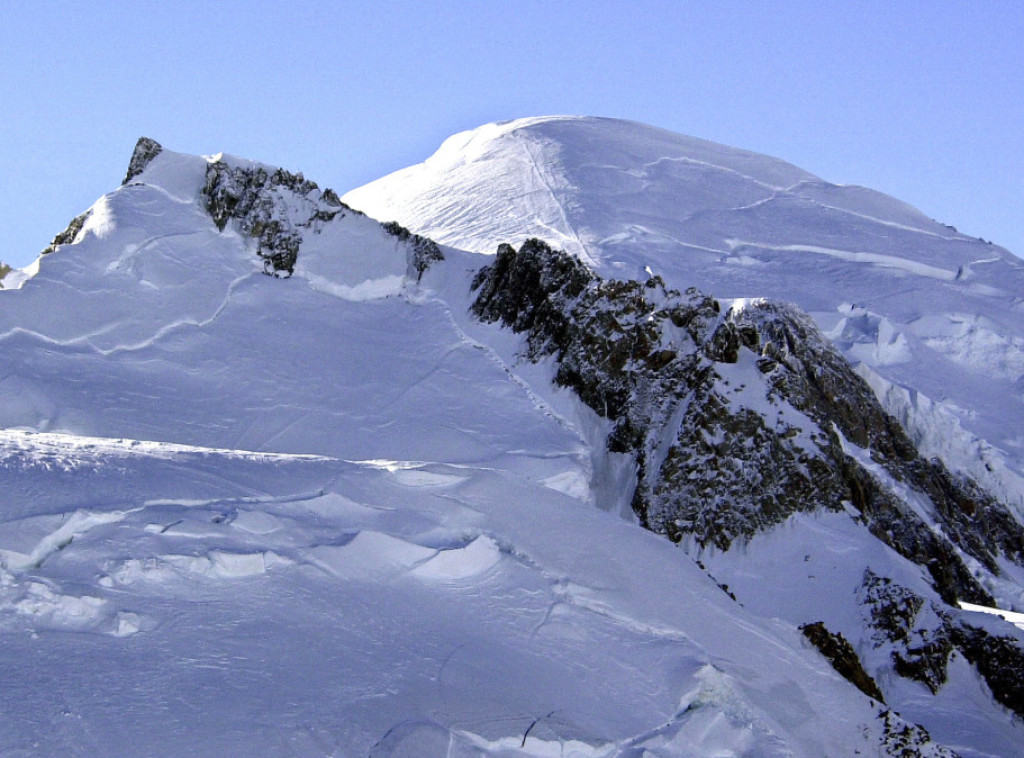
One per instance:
(922,100)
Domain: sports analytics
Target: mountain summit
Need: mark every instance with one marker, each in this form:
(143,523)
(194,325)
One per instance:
(281,478)
(932,318)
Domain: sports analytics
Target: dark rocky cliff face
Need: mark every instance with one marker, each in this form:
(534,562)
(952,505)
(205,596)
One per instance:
(425,252)
(737,418)
(277,209)
(146,150)
(253,197)
(922,637)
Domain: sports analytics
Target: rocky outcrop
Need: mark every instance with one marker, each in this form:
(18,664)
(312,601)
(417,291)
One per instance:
(68,236)
(901,739)
(277,209)
(840,653)
(273,207)
(922,637)
(146,150)
(425,252)
(739,417)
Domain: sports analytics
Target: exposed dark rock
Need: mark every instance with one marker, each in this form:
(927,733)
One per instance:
(924,637)
(840,653)
(277,208)
(424,251)
(737,420)
(999,660)
(68,236)
(901,739)
(146,149)
(818,381)
(891,608)
(920,636)
(4,271)
(252,196)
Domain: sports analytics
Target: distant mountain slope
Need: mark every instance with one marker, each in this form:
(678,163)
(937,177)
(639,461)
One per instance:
(935,318)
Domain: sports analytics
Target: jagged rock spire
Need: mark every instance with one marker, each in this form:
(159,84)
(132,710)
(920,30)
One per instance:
(146,149)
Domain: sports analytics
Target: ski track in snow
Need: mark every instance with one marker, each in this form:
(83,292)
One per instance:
(880,252)
(538,402)
(568,230)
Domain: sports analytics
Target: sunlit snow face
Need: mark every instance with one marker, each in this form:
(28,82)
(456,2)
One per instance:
(101,221)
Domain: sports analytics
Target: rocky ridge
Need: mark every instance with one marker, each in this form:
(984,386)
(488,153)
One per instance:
(921,637)
(739,417)
(254,197)
(277,208)
(146,149)
(69,234)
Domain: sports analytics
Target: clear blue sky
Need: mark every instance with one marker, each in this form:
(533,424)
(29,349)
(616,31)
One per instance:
(923,100)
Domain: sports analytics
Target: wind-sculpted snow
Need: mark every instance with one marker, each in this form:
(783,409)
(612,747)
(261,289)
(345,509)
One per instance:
(423,614)
(943,315)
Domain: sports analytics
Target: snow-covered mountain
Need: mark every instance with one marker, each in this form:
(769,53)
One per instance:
(933,319)
(341,509)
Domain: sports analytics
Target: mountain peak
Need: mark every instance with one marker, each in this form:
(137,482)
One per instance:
(348,479)
(146,149)
(627,198)
(573,180)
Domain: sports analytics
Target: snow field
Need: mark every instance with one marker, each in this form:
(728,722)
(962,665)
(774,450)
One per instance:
(459,605)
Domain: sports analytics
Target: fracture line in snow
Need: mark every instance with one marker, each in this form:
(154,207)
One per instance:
(182,323)
(684,159)
(132,251)
(77,524)
(85,339)
(878,259)
(868,217)
(1017,619)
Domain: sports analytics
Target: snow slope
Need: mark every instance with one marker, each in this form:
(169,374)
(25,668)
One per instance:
(934,318)
(329,515)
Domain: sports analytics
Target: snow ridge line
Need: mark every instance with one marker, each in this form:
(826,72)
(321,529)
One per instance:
(23,440)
